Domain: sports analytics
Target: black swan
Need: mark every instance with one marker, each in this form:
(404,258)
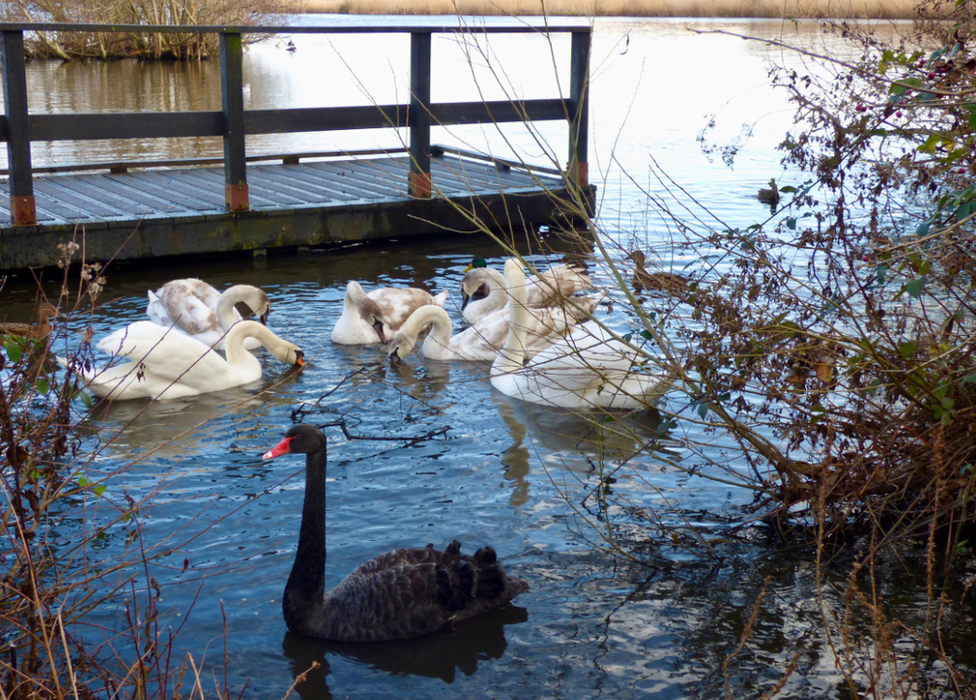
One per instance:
(401,594)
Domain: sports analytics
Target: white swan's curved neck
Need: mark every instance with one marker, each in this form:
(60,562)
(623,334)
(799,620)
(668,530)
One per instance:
(234,343)
(512,356)
(439,322)
(497,295)
(226,315)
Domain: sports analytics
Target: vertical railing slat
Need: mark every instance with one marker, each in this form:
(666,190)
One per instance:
(419,115)
(232,103)
(579,106)
(23,211)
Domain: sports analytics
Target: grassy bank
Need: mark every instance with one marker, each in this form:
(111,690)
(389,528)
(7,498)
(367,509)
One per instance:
(873,9)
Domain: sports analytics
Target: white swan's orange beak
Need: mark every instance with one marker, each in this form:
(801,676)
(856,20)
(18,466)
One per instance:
(282,448)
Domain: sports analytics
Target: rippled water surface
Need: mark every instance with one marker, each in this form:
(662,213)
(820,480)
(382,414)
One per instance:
(496,471)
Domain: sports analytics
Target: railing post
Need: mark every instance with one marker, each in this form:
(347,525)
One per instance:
(232,103)
(419,115)
(579,105)
(23,211)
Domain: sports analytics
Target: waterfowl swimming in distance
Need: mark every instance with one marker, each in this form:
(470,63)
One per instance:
(201,312)
(368,319)
(40,329)
(642,280)
(165,364)
(401,594)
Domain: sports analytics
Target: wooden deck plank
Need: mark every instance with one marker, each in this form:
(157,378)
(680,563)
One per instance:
(93,192)
(174,187)
(152,213)
(142,202)
(304,190)
(75,205)
(351,180)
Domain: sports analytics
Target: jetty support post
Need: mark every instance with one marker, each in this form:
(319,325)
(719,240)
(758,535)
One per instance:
(232,104)
(579,108)
(23,211)
(419,115)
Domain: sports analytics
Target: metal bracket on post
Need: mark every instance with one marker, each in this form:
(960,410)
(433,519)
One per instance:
(236,194)
(419,116)
(23,211)
(579,105)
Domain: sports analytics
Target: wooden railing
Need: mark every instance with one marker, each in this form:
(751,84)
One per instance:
(19,128)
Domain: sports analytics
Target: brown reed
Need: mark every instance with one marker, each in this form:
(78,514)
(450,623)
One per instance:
(841,9)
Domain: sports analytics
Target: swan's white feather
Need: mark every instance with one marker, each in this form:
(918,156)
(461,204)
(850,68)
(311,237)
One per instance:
(163,363)
(589,368)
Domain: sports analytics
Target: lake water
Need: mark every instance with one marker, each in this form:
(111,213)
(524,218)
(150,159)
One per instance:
(525,480)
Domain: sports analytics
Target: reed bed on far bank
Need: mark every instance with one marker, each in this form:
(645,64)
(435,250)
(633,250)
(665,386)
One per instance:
(841,9)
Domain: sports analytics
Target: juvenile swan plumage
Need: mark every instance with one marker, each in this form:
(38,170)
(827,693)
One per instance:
(403,593)
(368,319)
(484,290)
(201,312)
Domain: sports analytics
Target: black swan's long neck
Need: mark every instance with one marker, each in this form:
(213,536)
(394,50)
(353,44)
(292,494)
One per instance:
(306,584)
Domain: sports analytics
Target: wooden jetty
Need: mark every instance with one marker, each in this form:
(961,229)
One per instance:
(139,210)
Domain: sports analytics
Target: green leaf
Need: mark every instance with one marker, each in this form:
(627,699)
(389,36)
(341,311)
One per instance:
(791,224)
(86,399)
(915,287)
(908,349)
(83,481)
(646,335)
(930,143)
(923,229)
(99,490)
(702,410)
(42,386)
(970,379)
(626,337)
(787,189)
(879,272)
(14,350)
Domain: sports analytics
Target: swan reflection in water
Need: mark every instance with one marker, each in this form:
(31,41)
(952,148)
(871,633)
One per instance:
(438,655)
(568,440)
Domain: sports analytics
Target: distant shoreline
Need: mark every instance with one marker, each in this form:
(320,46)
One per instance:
(806,9)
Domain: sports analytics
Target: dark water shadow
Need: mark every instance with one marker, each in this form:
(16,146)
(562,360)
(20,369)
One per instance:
(439,655)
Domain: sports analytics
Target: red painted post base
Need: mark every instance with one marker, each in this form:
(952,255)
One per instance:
(236,197)
(420,186)
(23,211)
(579,173)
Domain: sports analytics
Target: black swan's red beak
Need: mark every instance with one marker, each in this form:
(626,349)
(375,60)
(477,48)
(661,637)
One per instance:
(282,448)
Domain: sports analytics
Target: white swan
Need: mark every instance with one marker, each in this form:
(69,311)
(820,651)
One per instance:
(589,368)
(483,340)
(165,364)
(368,319)
(488,288)
(201,312)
